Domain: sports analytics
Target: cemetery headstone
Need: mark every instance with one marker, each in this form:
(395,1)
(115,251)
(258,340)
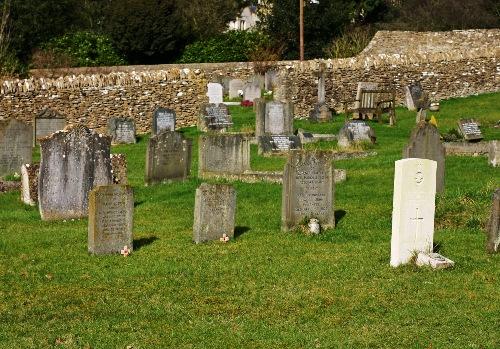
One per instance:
(354,132)
(425,143)
(235,86)
(225,85)
(73,162)
(46,123)
(494,153)
(308,189)
(278,119)
(163,119)
(214,117)
(214,93)
(414,94)
(111,212)
(259,107)
(168,157)
(16,142)
(277,144)
(251,91)
(214,212)
(469,128)
(493,238)
(29,183)
(122,130)
(320,113)
(223,153)
(270,78)
(119,168)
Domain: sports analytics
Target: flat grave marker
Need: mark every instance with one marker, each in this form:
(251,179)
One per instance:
(469,128)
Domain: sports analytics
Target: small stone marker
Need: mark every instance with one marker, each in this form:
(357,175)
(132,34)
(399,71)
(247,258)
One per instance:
(354,132)
(16,142)
(214,117)
(163,119)
(413,209)
(168,157)
(425,143)
(29,183)
(493,238)
(278,119)
(320,113)
(433,260)
(308,189)
(111,211)
(235,87)
(469,128)
(215,93)
(414,94)
(122,130)
(214,212)
(74,161)
(494,154)
(223,153)
(277,144)
(46,123)
(119,168)
(251,91)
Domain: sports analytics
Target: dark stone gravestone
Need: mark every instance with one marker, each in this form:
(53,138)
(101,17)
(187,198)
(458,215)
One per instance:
(168,157)
(163,119)
(16,142)
(119,168)
(122,130)
(354,132)
(278,119)
(320,113)
(308,189)
(493,238)
(111,214)
(214,212)
(414,94)
(46,123)
(223,153)
(74,161)
(494,153)
(469,128)
(214,117)
(425,143)
(278,144)
(29,183)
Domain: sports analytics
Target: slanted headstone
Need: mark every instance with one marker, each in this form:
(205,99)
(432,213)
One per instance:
(223,153)
(74,161)
(16,142)
(425,143)
(163,119)
(308,189)
(494,154)
(214,117)
(469,128)
(214,93)
(414,94)
(277,144)
(278,119)
(214,212)
(168,157)
(29,183)
(235,87)
(122,130)
(355,132)
(119,168)
(111,214)
(493,228)
(413,209)
(251,91)
(46,123)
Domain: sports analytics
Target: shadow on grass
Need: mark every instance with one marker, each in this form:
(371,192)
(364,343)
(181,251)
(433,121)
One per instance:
(339,214)
(138,203)
(139,243)
(240,231)
(140,138)
(437,247)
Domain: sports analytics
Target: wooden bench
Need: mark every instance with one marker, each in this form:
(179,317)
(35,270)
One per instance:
(371,104)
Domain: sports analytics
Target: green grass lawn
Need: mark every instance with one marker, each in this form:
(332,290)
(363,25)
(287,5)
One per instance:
(265,288)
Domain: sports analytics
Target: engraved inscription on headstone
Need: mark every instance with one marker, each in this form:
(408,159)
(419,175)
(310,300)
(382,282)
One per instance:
(163,119)
(214,117)
(16,142)
(469,128)
(355,131)
(278,144)
(122,130)
(275,118)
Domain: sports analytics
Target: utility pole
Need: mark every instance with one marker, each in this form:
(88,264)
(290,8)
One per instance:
(301,29)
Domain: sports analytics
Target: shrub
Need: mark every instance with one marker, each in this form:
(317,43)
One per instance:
(349,44)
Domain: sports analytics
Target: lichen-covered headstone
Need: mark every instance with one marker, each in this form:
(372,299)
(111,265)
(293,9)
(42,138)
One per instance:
(320,113)
(122,130)
(16,146)
(214,212)
(73,162)
(215,92)
(493,228)
(308,189)
(111,215)
(163,119)
(47,122)
(235,87)
(223,153)
(494,154)
(119,168)
(168,157)
(470,130)
(214,117)
(355,132)
(29,183)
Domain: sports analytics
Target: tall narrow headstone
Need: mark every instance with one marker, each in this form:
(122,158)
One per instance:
(168,157)
(413,209)
(16,142)
(493,238)
(321,89)
(308,189)
(425,143)
(494,154)
(214,93)
(111,214)
(122,130)
(46,123)
(414,94)
(235,87)
(214,117)
(259,105)
(251,91)
(29,183)
(163,119)
(73,162)
(223,153)
(214,212)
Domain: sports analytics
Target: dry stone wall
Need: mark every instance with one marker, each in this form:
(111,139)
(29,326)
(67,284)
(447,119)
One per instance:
(448,64)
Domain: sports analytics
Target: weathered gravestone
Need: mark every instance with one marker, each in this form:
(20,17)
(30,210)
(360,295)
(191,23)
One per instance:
(214,117)
(168,157)
(214,93)
(111,214)
(74,161)
(278,144)
(16,142)
(355,132)
(414,94)
(320,113)
(235,87)
(46,123)
(223,153)
(121,130)
(469,129)
(163,119)
(119,168)
(251,91)
(308,189)
(278,118)
(270,78)
(29,183)
(425,143)
(494,154)
(493,228)
(214,212)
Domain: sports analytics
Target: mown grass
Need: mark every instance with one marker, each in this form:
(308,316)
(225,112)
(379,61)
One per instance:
(264,289)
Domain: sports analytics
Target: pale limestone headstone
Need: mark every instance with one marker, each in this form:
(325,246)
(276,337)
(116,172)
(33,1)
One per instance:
(278,118)
(16,142)
(111,215)
(46,123)
(223,153)
(214,212)
(413,209)
(29,183)
(122,130)
(321,89)
(235,86)
(214,93)
(251,91)
(163,119)
(493,228)
(494,153)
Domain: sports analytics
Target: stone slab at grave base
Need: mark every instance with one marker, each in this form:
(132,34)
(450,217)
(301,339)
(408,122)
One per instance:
(433,260)
(309,137)
(466,148)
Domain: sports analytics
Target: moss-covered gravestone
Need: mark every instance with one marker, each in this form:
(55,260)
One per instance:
(122,130)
